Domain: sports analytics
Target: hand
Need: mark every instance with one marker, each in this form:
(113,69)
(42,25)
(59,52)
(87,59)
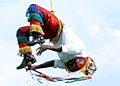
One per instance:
(30,68)
(41,49)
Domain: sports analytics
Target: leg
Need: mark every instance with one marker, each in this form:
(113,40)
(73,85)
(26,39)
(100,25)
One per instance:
(45,65)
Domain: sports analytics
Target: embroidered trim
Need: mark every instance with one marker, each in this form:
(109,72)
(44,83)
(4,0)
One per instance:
(36,28)
(60,28)
(25,50)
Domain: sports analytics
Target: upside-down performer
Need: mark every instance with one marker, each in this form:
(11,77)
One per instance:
(69,47)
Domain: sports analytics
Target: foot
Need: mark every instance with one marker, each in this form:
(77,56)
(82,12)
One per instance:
(26,59)
(31,58)
(23,64)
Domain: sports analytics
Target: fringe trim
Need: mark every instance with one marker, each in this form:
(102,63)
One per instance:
(36,28)
(22,39)
(36,17)
(25,50)
(60,28)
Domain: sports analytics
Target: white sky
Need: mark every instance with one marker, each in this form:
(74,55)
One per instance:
(97,22)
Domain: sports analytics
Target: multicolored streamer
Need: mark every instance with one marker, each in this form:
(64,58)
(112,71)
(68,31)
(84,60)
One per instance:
(41,75)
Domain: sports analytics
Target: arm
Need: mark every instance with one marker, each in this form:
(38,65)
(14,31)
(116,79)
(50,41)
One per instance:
(43,48)
(54,48)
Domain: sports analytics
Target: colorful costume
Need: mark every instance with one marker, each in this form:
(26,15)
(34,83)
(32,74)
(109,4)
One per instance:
(43,23)
(23,39)
(47,24)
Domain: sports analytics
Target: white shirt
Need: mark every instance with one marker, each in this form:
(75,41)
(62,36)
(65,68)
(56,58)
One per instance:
(72,46)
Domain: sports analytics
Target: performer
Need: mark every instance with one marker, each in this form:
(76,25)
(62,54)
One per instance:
(71,51)
(70,48)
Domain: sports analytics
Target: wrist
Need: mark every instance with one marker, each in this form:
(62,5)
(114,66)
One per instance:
(54,48)
(49,47)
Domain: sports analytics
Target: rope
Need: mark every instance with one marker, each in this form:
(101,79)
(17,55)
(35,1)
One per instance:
(52,10)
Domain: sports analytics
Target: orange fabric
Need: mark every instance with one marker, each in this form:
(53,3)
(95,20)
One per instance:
(35,22)
(22,44)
